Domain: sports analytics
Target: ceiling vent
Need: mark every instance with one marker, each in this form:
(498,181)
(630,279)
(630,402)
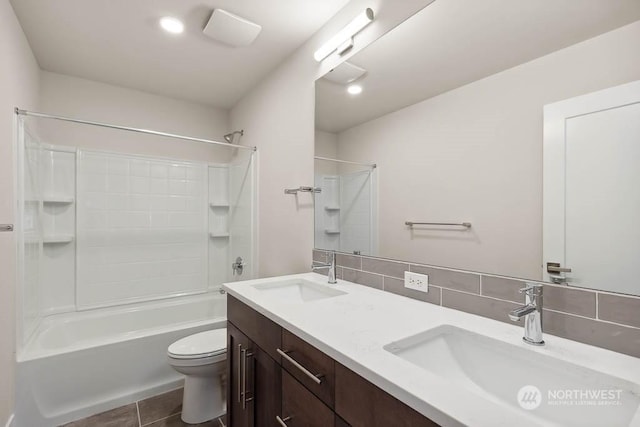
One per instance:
(231,29)
(345,73)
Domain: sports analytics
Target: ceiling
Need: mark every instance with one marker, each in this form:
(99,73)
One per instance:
(120,42)
(455,42)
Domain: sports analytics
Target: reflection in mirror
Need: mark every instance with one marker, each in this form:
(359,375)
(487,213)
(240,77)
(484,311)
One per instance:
(345,208)
(456,106)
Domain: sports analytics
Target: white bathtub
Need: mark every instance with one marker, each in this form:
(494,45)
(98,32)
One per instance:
(79,364)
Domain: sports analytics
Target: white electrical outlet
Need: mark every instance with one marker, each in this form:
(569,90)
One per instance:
(415,281)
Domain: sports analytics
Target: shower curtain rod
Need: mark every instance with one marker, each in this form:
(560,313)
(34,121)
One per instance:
(130,129)
(371,165)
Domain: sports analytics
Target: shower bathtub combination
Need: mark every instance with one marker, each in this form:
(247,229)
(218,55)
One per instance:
(120,254)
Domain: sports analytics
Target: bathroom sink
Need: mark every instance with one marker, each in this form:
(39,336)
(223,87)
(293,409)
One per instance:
(558,392)
(297,291)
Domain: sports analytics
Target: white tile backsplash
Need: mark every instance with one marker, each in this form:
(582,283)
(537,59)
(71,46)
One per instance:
(157,170)
(176,204)
(139,168)
(139,184)
(117,166)
(177,187)
(93,182)
(142,228)
(159,186)
(96,165)
(177,171)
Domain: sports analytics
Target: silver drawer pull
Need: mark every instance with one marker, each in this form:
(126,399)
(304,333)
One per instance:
(240,373)
(315,378)
(245,355)
(282,422)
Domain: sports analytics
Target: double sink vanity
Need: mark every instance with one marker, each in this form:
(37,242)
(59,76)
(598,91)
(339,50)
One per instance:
(304,352)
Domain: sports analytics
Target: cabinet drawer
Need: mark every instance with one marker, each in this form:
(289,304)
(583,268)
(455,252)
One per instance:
(262,331)
(341,423)
(300,408)
(314,369)
(362,404)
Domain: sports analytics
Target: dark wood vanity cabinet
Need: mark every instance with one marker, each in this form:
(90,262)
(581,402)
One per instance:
(277,379)
(362,404)
(254,385)
(239,350)
(300,408)
(315,370)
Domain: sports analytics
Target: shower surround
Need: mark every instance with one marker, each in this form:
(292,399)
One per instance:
(119,256)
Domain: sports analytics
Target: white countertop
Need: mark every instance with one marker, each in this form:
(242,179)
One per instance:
(354,328)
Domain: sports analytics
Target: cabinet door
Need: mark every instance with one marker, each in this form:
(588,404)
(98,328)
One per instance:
(362,404)
(267,394)
(240,404)
(301,408)
(341,423)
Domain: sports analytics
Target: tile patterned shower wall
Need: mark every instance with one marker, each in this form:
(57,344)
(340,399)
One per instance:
(142,228)
(241,221)
(58,181)
(327,211)
(602,319)
(29,256)
(219,209)
(343,211)
(355,214)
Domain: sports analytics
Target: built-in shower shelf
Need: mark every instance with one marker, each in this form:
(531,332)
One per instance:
(219,205)
(57,238)
(332,231)
(58,200)
(219,235)
(332,208)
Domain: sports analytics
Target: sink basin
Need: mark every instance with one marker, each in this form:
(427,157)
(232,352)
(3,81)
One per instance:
(559,392)
(297,291)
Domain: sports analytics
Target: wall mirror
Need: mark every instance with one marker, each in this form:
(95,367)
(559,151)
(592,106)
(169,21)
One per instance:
(491,136)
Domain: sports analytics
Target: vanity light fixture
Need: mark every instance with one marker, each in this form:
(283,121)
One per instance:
(171,25)
(354,89)
(343,41)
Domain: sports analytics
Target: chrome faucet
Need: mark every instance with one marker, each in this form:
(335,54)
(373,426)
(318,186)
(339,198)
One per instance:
(532,313)
(331,265)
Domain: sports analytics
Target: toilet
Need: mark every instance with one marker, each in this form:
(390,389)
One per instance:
(202,359)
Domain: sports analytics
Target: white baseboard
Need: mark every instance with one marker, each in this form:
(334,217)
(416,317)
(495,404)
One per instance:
(9,421)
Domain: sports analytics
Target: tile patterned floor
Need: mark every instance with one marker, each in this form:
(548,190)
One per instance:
(157,411)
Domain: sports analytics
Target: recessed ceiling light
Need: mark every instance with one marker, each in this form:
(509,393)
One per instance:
(172,25)
(354,89)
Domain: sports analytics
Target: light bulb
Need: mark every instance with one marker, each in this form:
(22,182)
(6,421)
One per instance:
(172,25)
(354,89)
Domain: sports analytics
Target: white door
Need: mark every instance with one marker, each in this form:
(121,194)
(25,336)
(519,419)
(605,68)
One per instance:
(592,189)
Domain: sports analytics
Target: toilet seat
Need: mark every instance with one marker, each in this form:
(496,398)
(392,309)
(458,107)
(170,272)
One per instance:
(204,347)
(202,361)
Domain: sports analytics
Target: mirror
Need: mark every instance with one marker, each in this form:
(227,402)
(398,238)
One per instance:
(500,137)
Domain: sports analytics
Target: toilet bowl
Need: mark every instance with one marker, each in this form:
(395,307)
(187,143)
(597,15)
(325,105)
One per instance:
(202,359)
